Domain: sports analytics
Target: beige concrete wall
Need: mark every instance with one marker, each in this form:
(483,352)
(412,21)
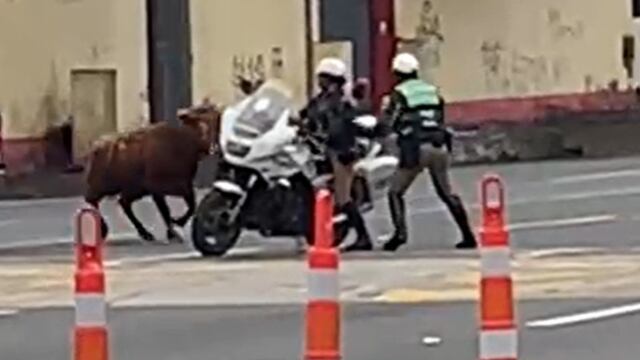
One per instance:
(42,40)
(498,48)
(257,38)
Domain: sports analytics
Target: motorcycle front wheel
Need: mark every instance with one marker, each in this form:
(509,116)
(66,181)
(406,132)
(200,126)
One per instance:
(212,234)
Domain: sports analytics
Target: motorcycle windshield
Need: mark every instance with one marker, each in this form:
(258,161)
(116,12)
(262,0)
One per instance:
(264,109)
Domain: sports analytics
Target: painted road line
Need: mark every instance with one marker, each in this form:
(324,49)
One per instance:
(28,244)
(152,259)
(555,223)
(7,313)
(74,200)
(588,316)
(431,341)
(61,240)
(629,191)
(595,176)
(564,251)
(4,204)
(558,223)
(175,256)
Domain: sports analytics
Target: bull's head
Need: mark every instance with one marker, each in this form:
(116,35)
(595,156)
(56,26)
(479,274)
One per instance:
(205,120)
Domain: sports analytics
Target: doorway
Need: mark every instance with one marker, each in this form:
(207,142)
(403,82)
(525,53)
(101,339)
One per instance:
(93,107)
(169,42)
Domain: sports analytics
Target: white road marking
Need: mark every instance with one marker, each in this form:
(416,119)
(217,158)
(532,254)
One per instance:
(62,240)
(569,179)
(556,223)
(76,201)
(595,176)
(8,313)
(431,341)
(176,256)
(585,317)
(630,191)
(545,224)
(537,254)
(39,202)
(151,259)
(584,195)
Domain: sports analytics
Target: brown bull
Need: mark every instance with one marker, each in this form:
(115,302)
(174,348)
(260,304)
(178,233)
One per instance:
(158,161)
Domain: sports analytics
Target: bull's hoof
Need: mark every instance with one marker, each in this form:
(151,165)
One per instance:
(147,236)
(174,237)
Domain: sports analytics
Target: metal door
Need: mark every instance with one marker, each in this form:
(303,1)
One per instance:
(169,41)
(348,20)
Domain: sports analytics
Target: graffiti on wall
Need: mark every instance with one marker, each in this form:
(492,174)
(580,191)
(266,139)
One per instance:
(429,35)
(493,54)
(248,67)
(562,33)
(510,69)
(249,71)
(529,73)
(560,29)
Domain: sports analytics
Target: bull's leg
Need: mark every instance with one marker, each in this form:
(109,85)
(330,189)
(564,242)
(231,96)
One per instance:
(190,199)
(125,203)
(165,212)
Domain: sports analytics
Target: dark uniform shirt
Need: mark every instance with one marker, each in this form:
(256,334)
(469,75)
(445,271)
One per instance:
(330,117)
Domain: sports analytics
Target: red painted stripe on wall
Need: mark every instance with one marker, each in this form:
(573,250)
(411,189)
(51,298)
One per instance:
(529,109)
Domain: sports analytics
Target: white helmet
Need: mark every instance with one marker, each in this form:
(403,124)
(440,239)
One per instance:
(405,63)
(332,66)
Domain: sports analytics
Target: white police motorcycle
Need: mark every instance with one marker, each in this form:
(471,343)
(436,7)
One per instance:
(268,175)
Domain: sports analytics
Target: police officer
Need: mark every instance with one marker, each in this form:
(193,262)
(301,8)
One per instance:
(415,113)
(330,117)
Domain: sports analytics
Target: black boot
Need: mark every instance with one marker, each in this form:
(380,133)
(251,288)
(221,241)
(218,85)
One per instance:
(460,216)
(363,241)
(399,237)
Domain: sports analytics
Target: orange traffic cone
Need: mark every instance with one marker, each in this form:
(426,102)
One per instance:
(90,333)
(498,335)
(323,308)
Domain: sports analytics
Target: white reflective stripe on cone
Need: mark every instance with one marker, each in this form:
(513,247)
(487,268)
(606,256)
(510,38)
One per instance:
(88,226)
(323,284)
(91,310)
(495,262)
(499,344)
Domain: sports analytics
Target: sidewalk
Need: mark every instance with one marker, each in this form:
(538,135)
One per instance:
(376,278)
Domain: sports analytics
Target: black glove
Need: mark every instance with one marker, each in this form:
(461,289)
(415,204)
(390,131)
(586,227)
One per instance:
(449,140)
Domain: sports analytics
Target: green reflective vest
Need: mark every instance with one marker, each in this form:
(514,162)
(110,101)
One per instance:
(418,93)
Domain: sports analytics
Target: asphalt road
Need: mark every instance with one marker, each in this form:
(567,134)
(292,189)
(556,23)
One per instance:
(551,204)
(370,332)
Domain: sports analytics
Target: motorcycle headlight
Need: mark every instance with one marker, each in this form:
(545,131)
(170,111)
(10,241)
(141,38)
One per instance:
(236,149)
